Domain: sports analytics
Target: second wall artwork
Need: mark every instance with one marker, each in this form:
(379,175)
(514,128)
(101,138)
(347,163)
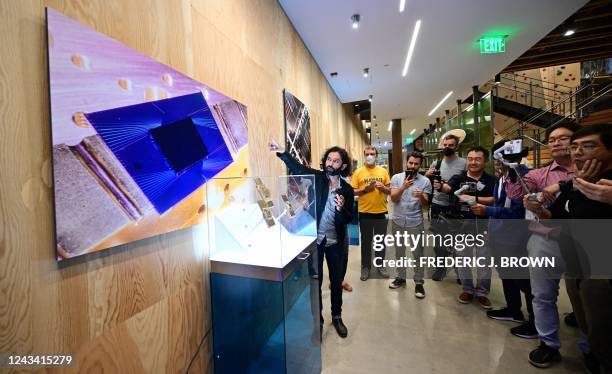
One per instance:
(297,129)
(133,141)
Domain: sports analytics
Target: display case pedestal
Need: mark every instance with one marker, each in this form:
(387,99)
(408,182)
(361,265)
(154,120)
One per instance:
(266,319)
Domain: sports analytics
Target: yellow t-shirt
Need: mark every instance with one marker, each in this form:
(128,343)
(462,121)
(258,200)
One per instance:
(373,202)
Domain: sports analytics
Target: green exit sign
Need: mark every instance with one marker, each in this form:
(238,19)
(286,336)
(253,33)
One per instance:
(493,44)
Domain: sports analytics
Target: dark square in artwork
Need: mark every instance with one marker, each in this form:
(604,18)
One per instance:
(180,144)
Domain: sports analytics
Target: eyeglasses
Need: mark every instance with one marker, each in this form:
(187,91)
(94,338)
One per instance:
(561,138)
(587,147)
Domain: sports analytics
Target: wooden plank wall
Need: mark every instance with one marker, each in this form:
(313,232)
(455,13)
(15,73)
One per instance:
(141,307)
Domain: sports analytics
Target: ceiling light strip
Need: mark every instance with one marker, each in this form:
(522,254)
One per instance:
(415,34)
(402,5)
(440,103)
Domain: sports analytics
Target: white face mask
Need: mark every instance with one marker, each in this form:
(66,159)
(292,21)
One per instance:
(370,160)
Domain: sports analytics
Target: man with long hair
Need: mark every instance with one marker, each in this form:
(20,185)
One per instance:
(334,211)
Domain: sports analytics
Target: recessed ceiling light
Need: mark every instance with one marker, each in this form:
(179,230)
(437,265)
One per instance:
(412,132)
(355,20)
(366,72)
(390,126)
(415,34)
(402,5)
(569,32)
(440,103)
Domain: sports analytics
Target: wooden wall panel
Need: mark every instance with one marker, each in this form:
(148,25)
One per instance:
(144,306)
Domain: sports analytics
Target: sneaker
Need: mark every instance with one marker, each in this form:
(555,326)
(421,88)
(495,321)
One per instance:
(465,298)
(347,287)
(505,314)
(419,291)
(340,328)
(365,274)
(439,274)
(397,283)
(570,320)
(544,356)
(526,330)
(484,302)
(383,272)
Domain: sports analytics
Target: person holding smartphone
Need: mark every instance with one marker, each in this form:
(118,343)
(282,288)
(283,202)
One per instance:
(409,195)
(333,207)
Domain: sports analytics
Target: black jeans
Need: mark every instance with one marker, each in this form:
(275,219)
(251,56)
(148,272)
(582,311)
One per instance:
(334,255)
(512,294)
(592,303)
(435,211)
(370,225)
(513,286)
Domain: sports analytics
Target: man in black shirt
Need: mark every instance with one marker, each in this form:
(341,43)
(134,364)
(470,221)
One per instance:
(475,188)
(591,151)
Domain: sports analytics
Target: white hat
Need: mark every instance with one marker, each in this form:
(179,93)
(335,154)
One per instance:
(460,133)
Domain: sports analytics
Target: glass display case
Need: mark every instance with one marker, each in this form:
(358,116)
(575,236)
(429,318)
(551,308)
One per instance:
(265,306)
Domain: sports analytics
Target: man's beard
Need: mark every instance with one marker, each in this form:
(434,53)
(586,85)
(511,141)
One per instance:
(331,171)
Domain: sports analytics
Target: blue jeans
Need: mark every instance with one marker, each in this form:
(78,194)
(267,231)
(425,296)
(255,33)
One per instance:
(483,274)
(545,289)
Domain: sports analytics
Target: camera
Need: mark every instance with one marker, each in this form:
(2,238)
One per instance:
(533,196)
(469,188)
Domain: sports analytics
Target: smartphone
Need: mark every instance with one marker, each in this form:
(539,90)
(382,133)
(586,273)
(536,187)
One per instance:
(410,174)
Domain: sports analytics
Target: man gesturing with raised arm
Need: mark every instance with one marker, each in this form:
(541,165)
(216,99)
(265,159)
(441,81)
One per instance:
(334,199)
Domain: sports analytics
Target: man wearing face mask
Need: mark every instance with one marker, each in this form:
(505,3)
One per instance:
(409,194)
(334,197)
(448,167)
(371,184)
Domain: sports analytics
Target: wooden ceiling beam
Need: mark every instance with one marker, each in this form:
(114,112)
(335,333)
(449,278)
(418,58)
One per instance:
(579,30)
(558,61)
(536,54)
(580,39)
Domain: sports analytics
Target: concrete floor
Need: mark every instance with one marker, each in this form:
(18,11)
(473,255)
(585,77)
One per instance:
(390,331)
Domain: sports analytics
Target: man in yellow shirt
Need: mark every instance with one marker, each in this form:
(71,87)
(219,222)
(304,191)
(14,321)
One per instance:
(371,183)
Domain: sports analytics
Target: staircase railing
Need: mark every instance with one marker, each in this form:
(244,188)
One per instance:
(532,88)
(558,108)
(535,135)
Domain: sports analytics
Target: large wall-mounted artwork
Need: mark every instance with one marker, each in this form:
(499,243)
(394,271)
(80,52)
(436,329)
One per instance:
(297,129)
(133,141)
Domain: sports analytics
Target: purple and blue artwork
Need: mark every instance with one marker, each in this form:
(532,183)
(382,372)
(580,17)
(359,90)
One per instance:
(134,141)
(169,147)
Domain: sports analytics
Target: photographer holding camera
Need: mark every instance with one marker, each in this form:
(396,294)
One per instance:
(438,173)
(475,192)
